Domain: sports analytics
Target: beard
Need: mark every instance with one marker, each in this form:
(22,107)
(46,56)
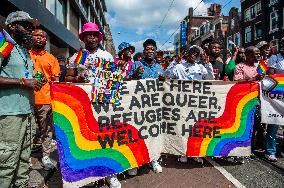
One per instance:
(23,38)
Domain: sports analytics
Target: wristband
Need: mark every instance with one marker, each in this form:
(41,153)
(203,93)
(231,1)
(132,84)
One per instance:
(22,81)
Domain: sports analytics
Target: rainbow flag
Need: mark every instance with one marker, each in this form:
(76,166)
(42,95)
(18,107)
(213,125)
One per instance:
(81,57)
(262,67)
(279,88)
(6,43)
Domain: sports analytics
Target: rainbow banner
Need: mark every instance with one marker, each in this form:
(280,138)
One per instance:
(6,43)
(81,57)
(262,67)
(272,99)
(177,117)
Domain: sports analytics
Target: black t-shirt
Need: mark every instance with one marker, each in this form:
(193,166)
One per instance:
(63,71)
(219,69)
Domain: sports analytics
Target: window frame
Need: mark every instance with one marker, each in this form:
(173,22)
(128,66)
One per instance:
(270,21)
(246,38)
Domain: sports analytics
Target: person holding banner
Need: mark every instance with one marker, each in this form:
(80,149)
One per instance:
(124,57)
(17,86)
(238,57)
(192,70)
(247,70)
(276,66)
(143,69)
(216,60)
(91,36)
(80,68)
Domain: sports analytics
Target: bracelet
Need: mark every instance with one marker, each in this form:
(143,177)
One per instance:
(22,81)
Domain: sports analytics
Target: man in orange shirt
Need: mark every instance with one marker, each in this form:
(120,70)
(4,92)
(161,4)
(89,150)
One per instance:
(47,64)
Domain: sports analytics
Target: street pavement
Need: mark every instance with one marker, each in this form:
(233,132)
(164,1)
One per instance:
(219,172)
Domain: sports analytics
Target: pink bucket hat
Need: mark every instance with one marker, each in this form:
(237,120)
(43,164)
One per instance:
(91,27)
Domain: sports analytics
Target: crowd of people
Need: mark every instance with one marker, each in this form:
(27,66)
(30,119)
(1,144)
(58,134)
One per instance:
(26,114)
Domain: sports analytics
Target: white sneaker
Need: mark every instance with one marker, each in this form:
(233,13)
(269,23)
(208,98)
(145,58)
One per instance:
(47,163)
(156,167)
(271,158)
(132,172)
(183,159)
(113,182)
(198,159)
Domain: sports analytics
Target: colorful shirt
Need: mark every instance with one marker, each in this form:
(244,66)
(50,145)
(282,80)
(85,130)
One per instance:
(47,64)
(276,62)
(245,72)
(193,71)
(150,71)
(89,68)
(17,100)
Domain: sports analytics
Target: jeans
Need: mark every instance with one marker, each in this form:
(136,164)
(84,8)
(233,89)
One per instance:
(271,139)
(43,114)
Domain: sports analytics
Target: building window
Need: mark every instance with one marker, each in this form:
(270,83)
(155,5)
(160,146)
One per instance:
(61,7)
(258,30)
(252,12)
(232,23)
(74,22)
(229,45)
(273,21)
(258,7)
(248,34)
(202,32)
(247,15)
(272,2)
(238,39)
(58,9)
(50,5)
(85,7)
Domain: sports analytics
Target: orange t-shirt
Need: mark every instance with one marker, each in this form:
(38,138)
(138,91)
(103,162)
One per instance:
(47,64)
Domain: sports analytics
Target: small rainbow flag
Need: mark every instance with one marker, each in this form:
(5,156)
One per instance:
(81,57)
(6,43)
(262,67)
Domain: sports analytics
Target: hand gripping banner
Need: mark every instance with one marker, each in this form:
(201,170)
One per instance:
(208,118)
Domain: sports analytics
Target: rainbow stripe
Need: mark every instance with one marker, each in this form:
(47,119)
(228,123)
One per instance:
(81,57)
(6,43)
(262,67)
(236,124)
(80,154)
(279,88)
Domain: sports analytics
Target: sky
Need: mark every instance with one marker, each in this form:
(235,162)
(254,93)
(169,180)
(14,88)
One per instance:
(134,21)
